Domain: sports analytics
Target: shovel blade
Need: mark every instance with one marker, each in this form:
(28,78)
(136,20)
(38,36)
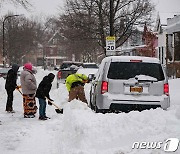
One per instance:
(59,111)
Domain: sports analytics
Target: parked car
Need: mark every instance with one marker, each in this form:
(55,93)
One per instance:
(90,65)
(3,72)
(126,83)
(67,68)
(88,69)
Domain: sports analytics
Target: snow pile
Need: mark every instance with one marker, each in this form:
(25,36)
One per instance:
(88,132)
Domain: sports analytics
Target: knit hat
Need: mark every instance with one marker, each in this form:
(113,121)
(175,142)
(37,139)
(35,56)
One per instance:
(28,66)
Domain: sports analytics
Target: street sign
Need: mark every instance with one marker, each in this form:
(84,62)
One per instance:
(110,45)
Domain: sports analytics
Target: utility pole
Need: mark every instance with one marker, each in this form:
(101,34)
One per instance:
(111,23)
(4,52)
(110,40)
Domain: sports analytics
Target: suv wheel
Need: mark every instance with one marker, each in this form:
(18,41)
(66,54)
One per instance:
(57,85)
(92,107)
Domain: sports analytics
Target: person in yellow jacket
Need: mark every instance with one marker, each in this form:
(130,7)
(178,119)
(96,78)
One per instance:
(75,86)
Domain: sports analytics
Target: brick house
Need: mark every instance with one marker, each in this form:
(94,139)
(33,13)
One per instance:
(150,40)
(53,51)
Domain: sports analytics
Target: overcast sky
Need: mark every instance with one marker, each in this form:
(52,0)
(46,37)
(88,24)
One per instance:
(52,7)
(167,9)
(39,7)
(167,6)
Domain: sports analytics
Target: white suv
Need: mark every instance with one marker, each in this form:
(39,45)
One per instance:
(126,83)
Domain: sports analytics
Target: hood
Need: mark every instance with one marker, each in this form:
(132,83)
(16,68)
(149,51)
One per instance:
(51,76)
(15,67)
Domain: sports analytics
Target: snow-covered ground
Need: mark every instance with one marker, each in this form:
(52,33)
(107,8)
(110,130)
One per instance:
(81,131)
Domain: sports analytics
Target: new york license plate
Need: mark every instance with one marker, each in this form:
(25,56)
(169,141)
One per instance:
(136,89)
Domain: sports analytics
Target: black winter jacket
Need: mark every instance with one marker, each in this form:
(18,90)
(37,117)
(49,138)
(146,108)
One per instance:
(44,87)
(11,78)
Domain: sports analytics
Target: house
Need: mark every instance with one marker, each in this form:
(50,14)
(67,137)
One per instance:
(132,46)
(48,54)
(168,50)
(173,45)
(150,40)
(160,29)
(53,51)
(143,43)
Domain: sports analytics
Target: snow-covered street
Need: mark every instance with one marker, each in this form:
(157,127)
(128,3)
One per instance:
(81,131)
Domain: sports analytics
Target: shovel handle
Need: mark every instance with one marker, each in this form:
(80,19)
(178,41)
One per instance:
(19,91)
(53,103)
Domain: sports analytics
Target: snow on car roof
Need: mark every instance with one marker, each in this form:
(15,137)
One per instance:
(89,63)
(87,71)
(129,58)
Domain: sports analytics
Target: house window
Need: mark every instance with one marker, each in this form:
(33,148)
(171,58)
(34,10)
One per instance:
(177,46)
(54,41)
(51,51)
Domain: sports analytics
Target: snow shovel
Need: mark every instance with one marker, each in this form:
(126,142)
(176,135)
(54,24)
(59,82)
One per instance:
(58,110)
(19,91)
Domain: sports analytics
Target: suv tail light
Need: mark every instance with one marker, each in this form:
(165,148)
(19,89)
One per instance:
(166,89)
(59,75)
(104,87)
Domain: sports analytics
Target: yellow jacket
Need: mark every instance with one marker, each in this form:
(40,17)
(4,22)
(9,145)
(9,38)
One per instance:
(75,78)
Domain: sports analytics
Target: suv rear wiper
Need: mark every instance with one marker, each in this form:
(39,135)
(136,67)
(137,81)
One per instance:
(145,78)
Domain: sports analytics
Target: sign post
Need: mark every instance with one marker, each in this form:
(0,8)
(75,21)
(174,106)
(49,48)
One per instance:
(110,45)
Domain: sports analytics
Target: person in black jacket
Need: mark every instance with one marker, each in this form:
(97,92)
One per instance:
(10,86)
(42,92)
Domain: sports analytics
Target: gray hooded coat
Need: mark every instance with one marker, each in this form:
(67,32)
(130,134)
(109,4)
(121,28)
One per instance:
(28,82)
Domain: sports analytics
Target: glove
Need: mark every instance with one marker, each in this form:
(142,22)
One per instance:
(49,103)
(17,87)
(88,81)
(51,99)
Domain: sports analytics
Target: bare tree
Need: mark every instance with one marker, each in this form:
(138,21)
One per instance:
(92,17)
(23,3)
(78,41)
(21,36)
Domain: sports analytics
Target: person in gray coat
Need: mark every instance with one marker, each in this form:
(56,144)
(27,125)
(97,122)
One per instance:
(29,87)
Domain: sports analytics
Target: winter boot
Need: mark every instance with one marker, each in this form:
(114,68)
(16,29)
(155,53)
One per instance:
(42,118)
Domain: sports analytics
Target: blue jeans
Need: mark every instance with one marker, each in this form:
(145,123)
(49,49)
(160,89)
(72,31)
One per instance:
(42,107)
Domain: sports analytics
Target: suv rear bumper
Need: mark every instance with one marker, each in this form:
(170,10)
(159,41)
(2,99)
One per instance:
(111,101)
(131,107)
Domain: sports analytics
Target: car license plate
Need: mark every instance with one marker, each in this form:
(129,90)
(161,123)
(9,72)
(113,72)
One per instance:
(136,89)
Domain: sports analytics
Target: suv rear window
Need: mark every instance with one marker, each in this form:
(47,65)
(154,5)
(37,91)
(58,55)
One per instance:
(126,70)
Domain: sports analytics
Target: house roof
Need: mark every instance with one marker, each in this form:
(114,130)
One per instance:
(56,34)
(173,24)
(161,21)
